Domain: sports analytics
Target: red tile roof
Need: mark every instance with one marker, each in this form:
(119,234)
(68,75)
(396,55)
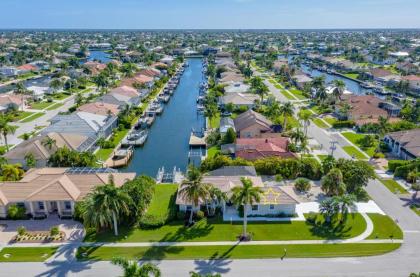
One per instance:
(256,148)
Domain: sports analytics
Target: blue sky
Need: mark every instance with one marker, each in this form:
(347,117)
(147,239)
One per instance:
(197,14)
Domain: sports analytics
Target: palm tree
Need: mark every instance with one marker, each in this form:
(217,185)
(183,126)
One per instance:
(261,90)
(215,195)
(305,116)
(296,135)
(12,172)
(286,110)
(332,183)
(329,208)
(133,269)
(7,129)
(245,195)
(193,190)
(48,142)
(383,125)
(55,84)
(104,206)
(340,86)
(346,203)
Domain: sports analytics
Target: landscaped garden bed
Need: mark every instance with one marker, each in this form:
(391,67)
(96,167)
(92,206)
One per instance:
(54,235)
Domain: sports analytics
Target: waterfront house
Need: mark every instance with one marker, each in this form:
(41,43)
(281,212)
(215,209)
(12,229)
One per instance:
(275,201)
(129,92)
(9,71)
(300,80)
(279,64)
(100,108)
(167,60)
(55,191)
(380,75)
(238,87)
(26,68)
(94,67)
(408,67)
(230,77)
(252,149)
(404,144)
(251,124)
(138,80)
(413,82)
(91,125)
(238,100)
(41,152)
(10,102)
(226,123)
(38,92)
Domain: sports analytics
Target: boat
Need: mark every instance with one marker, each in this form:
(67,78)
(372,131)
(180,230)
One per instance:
(136,138)
(164,98)
(156,107)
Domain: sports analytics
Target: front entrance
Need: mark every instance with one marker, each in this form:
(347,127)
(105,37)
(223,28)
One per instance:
(53,207)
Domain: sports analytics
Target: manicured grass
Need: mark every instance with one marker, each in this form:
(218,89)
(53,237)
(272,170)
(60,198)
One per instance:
(298,93)
(163,201)
(351,75)
(32,117)
(292,122)
(27,254)
(322,157)
(41,105)
(104,154)
(215,229)
(215,121)
(415,208)
(355,138)
(330,120)
(384,227)
(321,124)
(237,251)
(352,151)
(60,96)
(55,106)
(282,90)
(22,115)
(212,151)
(393,186)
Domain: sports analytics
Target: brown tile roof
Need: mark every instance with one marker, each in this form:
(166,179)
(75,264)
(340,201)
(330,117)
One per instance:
(99,108)
(126,91)
(257,148)
(6,99)
(365,107)
(46,184)
(379,72)
(249,118)
(409,140)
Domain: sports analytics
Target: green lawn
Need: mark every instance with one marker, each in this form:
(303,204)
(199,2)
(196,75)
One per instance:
(215,121)
(41,105)
(60,96)
(384,227)
(55,106)
(237,251)
(354,138)
(27,254)
(22,115)
(322,157)
(32,117)
(393,186)
(351,75)
(321,124)
(298,93)
(163,201)
(104,154)
(351,150)
(292,122)
(215,229)
(415,208)
(330,120)
(212,151)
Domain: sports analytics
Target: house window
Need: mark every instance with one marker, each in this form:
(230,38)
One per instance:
(20,204)
(255,207)
(189,208)
(67,205)
(41,205)
(271,207)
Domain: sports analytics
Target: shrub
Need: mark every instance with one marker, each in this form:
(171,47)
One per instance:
(412,177)
(199,215)
(287,168)
(278,178)
(343,124)
(15,212)
(149,221)
(181,215)
(310,168)
(54,231)
(394,164)
(21,230)
(378,155)
(302,185)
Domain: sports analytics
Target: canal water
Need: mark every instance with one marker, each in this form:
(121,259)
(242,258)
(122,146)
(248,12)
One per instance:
(167,143)
(99,55)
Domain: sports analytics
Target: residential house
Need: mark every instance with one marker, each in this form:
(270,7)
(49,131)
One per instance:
(100,108)
(130,93)
(41,152)
(226,123)
(9,71)
(275,201)
(404,144)
(408,68)
(26,68)
(91,125)
(238,100)
(94,67)
(381,75)
(257,148)
(230,77)
(11,102)
(138,80)
(55,191)
(279,64)
(251,124)
(413,81)
(238,87)
(301,79)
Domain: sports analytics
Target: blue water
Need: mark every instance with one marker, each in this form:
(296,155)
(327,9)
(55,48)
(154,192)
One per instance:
(167,144)
(100,56)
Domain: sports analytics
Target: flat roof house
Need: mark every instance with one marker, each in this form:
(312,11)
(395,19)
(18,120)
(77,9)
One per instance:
(404,144)
(46,191)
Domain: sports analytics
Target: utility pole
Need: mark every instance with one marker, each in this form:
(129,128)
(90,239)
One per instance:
(333,147)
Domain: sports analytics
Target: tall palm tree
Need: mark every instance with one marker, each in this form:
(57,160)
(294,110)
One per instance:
(48,142)
(12,172)
(245,196)
(261,90)
(215,196)
(7,129)
(383,125)
(340,86)
(104,206)
(305,116)
(193,190)
(133,269)
(286,110)
(346,204)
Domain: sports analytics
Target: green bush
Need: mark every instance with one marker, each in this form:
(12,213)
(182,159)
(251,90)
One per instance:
(343,124)
(54,231)
(149,221)
(310,168)
(199,215)
(181,215)
(287,168)
(394,164)
(378,155)
(302,185)
(21,230)
(15,212)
